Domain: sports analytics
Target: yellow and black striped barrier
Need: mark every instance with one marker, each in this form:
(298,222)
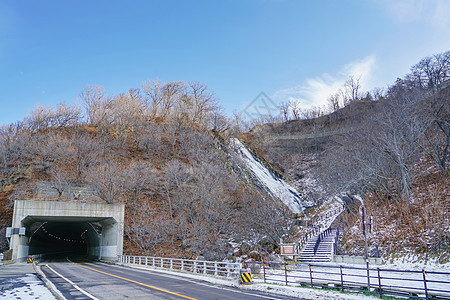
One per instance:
(246,278)
(30,259)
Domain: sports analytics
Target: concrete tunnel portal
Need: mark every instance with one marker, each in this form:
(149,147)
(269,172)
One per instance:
(55,228)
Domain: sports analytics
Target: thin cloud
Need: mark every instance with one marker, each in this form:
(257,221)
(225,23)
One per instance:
(315,91)
(433,12)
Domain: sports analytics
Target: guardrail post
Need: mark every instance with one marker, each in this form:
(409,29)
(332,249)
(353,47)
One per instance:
(310,275)
(171,264)
(204,267)
(379,283)
(146,260)
(216,270)
(285,273)
(425,284)
(195,267)
(153,262)
(162,263)
(228,271)
(342,278)
(134,260)
(182,265)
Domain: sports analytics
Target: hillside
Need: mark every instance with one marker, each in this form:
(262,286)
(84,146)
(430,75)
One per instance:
(192,190)
(165,160)
(390,152)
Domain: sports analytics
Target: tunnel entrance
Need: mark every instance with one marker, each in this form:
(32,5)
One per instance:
(59,238)
(55,229)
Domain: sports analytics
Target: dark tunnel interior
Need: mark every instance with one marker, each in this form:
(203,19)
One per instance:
(59,238)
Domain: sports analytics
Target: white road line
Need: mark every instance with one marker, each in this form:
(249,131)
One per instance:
(210,285)
(73,284)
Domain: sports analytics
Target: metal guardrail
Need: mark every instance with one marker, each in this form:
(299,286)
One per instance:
(390,282)
(225,269)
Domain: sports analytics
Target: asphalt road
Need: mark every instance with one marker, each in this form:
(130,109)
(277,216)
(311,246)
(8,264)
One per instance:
(103,281)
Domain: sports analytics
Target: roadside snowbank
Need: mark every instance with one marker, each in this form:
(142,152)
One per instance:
(27,287)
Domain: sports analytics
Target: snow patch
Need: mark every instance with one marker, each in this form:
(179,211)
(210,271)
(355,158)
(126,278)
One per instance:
(27,287)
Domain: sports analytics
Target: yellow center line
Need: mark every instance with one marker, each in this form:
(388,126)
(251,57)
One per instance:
(140,283)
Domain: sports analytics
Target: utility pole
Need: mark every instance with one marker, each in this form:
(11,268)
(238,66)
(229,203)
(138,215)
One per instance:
(362,213)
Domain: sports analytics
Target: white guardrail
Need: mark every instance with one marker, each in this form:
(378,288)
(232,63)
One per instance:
(216,268)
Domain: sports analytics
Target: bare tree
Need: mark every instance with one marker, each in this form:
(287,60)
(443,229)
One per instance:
(219,123)
(171,91)
(95,104)
(203,102)
(154,97)
(60,179)
(333,102)
(434,115)
(66,115)
(285,110)
(431,71)
(138,177)
(86,151)
(40,118)
(44,149)
(12,148)
(106,178)
(378,93)
(266,217)
(146,228)
(352,87)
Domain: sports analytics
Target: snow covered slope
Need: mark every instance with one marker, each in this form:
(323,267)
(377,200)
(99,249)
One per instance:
(276,186)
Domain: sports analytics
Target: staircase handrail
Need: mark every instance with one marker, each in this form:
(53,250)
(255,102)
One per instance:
(304,240)
(316,229)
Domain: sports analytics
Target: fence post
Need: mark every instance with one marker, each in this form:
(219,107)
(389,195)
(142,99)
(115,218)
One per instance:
(425,284)
(285,273)
(146,260)
(162,263)
(228,271)
(195,266)
(342,278)
(216,271)
(204,267)
(153,262)
(182,265)
(310,274)
(368,273)
(264,270)
(379,283)
(171,263)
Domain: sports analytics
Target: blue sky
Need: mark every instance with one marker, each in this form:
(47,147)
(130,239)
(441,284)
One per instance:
(304,50)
